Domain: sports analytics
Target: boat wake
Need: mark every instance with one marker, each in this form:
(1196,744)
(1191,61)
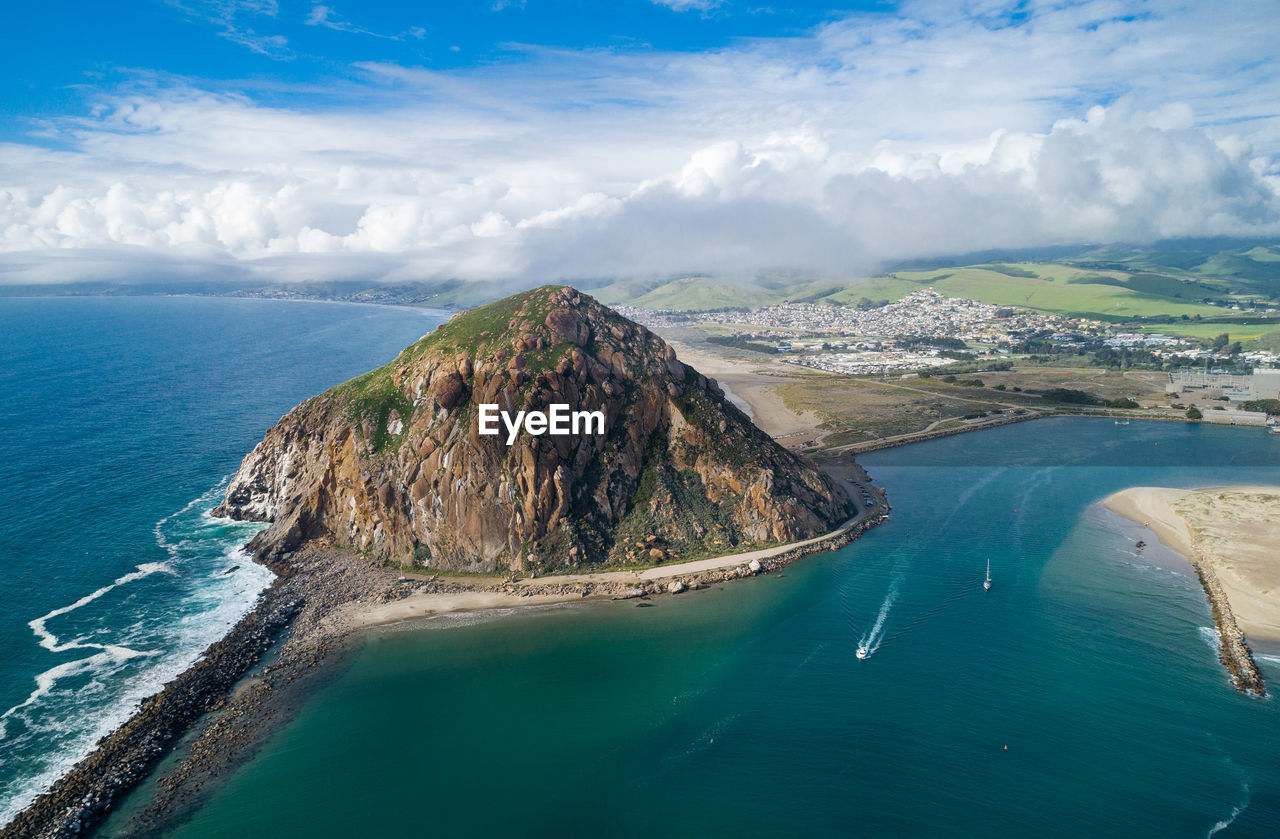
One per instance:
(871,641)
(139,631)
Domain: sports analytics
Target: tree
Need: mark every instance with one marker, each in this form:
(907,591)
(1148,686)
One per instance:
(1193,413)
(1221,341)
(1106,357)
(1270,406)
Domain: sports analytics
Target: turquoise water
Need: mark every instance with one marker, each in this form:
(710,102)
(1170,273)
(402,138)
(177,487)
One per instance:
(736,711)
(742,711)
(121,419)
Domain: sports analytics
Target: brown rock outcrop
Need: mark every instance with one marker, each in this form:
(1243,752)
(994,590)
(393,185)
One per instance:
(392,463)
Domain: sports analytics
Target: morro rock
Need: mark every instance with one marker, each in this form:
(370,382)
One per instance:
(393,463)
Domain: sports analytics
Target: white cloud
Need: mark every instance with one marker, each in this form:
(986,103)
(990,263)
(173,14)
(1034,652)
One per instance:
(326,17)
(689,5)
(228,17)
(876,137)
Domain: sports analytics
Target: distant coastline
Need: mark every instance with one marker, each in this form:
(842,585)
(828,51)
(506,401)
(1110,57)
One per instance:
(426,308)
(424,297)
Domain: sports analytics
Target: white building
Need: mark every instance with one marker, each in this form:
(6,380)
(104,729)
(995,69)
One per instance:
(1265,383)
(1262,383)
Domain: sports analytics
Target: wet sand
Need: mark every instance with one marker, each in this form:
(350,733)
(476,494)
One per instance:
(1234,530)
(1229,536)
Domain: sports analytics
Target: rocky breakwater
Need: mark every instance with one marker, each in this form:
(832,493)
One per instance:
(231,699)
(1232,647)
(84,796)
(393,464)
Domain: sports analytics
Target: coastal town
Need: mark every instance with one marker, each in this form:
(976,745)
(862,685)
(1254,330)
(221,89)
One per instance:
(924,313)
(927,330)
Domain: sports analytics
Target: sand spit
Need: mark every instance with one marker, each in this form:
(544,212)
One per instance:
(1229,535)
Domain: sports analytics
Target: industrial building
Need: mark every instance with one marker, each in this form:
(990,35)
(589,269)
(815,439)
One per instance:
(1262,383)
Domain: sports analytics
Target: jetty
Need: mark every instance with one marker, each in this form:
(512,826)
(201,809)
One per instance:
(1226,535)
(1232,647)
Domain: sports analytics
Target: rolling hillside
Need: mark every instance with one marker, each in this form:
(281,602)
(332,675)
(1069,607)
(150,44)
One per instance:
(1187,287)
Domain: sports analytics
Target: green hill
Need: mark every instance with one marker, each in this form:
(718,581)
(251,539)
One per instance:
(1182,282)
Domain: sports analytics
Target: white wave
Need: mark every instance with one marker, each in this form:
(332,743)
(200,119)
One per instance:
(61,725)
(1222,825)
(50,641)
(46,681)
(204,500)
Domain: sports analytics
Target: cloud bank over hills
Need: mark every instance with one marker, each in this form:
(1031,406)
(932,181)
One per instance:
(872,137)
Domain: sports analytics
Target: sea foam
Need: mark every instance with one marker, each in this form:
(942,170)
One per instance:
(140,639)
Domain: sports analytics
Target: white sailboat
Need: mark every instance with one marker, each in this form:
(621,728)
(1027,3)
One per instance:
(986,584)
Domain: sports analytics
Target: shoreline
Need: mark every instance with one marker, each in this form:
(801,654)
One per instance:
(321,587)
(1154,509)
(78,801)
(316,609)
(334,597)
(921,436)
(451,596)
(866,446)
(259,704)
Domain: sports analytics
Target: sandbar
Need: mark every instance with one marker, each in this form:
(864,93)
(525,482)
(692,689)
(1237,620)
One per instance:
(1233,531)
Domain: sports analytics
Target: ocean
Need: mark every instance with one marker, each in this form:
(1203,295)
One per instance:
(1081,696)
(122,419)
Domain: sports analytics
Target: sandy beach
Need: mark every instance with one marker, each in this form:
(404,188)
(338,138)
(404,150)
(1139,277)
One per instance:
(455,595)
(429,605)
(756,385)
(1233,531)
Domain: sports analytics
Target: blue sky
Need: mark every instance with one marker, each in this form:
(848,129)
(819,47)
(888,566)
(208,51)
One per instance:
(59,51)
(556,139)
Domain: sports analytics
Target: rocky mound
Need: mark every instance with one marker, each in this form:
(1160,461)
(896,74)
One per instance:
(393,463)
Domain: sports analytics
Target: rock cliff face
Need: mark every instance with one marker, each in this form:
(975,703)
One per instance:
(392,463)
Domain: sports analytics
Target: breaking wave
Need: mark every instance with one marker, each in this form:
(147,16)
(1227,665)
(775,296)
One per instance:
(1223,824)
(140,631)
